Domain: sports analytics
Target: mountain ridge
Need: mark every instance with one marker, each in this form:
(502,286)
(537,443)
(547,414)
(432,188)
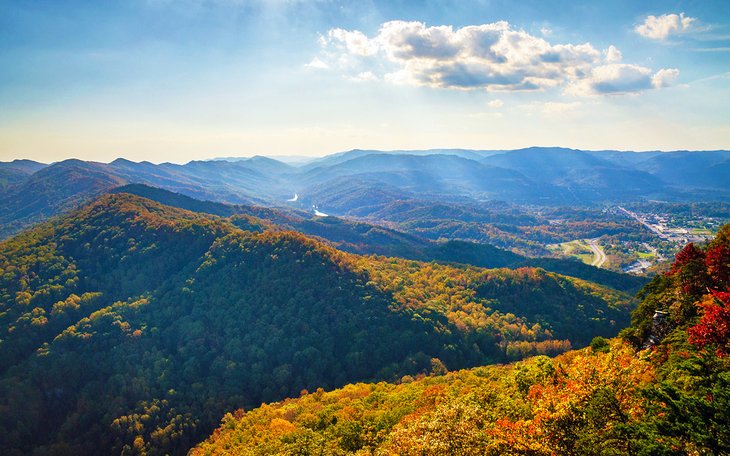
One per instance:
(360,183)
(198,316)
(363,238)
(660,389)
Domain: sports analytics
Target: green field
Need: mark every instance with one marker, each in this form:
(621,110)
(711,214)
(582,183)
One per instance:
(700,231)
(645,255)
(577,248)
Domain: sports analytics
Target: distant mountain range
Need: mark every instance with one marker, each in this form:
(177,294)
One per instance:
(365,238)
(360,182)
(151,299)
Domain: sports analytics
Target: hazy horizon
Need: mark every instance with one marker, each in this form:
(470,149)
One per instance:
(183,80)
(295,159)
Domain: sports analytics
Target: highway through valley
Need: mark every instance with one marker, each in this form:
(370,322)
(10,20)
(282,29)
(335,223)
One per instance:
(600,257)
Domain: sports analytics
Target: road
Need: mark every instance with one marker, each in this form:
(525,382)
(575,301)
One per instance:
(643,222)
(600,257)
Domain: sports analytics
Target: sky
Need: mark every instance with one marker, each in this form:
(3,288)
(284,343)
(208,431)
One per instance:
(179,80)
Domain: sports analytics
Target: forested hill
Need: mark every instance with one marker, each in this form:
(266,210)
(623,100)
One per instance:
(661,389)
(129,326)
(365,238)
(367,183)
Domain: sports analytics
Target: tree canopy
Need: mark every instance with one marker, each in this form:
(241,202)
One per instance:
(661,389)
(131,327)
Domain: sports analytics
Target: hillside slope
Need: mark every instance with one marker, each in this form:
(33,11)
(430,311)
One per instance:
(363,183)
(663,390)
(131,324)
(365,238)
(533,407)
(52,190)
(15,172)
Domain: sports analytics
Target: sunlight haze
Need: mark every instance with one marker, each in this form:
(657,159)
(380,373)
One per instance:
(183,80)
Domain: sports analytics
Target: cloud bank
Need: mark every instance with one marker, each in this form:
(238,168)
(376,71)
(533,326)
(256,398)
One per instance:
(660,27)
(494,57)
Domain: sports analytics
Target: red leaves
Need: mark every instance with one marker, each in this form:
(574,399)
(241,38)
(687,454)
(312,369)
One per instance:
(685,256)
(714,326)
(717,260)
(690,271)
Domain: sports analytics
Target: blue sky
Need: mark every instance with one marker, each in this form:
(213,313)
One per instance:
(176,80)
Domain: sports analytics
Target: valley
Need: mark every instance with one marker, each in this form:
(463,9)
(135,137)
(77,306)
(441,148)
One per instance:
(177,294)
(120,281)
(662,230)
(588,251)
(612,396)
(342,228)
(497,200)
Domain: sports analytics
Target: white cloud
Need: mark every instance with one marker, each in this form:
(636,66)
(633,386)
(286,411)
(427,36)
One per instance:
(613,55)
(613,78)
(494,57)
(317,64)
(495,103)
(412,40)
(354,42)
(660,27)
(364,76)
(621,78)
(664,77)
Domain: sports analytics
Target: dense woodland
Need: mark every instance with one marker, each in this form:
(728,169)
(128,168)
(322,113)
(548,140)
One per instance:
(132,327)
(505,198)
(365,238)
(662,388)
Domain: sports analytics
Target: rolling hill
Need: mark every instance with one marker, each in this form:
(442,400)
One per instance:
(52,190)
(361,182)
(131,324)
(364,238)
(580,175)
(662,389)
(15,172)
